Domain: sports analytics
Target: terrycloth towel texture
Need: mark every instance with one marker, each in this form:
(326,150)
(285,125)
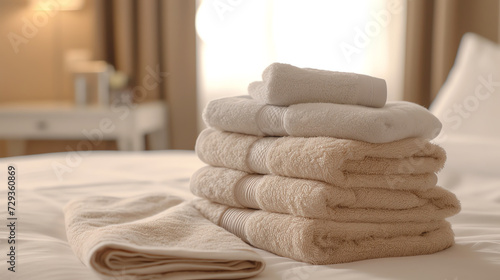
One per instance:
(284,84)
(315,199)
(406,164)
(154,237)
(328,242)
(395,121)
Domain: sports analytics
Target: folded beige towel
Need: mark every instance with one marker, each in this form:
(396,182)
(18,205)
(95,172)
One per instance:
(154,236)
(315,199)
(406,164)
(284,84)
(327,242)
(395,121)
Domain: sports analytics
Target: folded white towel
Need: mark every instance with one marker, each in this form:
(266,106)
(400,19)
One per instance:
(315,199)
(154,236)
(327,242)
(284,84)
(408,164)
(396,120)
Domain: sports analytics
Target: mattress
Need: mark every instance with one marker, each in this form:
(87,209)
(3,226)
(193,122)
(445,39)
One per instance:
(45,183)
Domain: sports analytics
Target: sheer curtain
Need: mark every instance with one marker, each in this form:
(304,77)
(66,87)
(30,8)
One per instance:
(434,30)
(154,42)
(238,39)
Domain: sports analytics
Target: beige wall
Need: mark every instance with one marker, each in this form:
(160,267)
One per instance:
(32,48)
(32,67)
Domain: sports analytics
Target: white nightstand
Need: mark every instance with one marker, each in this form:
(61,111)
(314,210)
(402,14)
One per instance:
(127,124)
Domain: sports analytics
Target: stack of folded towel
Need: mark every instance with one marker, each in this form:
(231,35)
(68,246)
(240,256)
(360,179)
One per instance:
(316,166)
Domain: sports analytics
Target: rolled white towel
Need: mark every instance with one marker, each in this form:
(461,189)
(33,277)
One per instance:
(284,84)
(395,121)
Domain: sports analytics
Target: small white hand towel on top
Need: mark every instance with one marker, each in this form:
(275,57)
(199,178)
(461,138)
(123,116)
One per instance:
(284,84)
(395,121)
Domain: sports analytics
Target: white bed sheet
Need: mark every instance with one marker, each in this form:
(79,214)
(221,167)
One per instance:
(43,253)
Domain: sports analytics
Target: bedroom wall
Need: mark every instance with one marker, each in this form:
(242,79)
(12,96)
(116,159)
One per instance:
(32,47)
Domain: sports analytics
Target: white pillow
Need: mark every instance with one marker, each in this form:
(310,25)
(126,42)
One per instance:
(468,104)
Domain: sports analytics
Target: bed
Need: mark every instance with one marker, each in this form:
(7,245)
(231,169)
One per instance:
(43,252)
(46,182)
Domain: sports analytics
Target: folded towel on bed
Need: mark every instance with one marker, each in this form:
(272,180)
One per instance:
(154,236)
(405,164)
(396,120)
(284,84)
(327,242)
(315,199)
